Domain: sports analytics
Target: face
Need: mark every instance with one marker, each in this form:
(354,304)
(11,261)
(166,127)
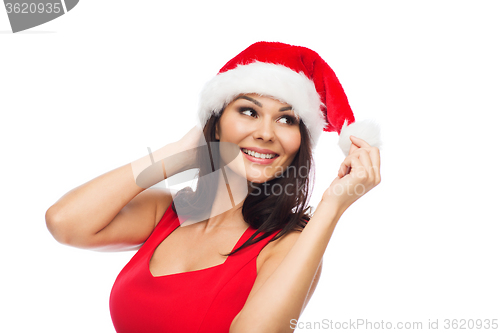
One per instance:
(263,127)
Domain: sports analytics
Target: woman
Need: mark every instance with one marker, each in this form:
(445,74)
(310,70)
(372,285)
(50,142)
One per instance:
(248,256)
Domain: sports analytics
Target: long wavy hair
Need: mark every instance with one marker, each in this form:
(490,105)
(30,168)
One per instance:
(259,208)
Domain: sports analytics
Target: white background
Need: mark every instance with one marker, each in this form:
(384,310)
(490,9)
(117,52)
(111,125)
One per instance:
(91,90)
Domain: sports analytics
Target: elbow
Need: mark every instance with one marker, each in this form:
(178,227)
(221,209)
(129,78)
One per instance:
(56,225)
(66,230)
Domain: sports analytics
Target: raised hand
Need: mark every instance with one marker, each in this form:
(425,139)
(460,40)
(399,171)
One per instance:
(192,139)
(169,160)
(358,174)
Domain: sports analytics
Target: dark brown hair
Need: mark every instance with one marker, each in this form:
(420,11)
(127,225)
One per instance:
(259,208)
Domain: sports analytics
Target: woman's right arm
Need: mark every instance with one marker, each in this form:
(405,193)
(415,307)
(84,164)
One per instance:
(112,212)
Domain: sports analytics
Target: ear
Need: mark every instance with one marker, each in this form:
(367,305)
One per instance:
(217,132)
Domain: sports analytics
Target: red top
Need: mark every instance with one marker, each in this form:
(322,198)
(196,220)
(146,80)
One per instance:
(206,300)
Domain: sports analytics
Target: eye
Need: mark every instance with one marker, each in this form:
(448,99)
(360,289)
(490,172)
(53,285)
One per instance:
(288,120)
(247,111)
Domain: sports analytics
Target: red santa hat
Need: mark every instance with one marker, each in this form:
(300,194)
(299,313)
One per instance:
(294,75)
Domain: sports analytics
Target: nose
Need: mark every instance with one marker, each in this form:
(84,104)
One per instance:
(264,130)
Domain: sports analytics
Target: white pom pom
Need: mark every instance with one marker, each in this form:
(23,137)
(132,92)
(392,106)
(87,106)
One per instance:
(367,130)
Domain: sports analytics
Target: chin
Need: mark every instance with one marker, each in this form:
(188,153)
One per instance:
(259,180)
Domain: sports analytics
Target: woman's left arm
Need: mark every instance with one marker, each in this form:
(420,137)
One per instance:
(282,285)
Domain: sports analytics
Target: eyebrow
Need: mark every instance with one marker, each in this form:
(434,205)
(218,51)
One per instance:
(259,104)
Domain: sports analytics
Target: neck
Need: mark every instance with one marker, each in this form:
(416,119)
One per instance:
(232,189)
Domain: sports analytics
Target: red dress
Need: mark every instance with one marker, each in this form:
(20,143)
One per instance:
(202,301)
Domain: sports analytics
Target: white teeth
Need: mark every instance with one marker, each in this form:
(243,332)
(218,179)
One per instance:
(258,155)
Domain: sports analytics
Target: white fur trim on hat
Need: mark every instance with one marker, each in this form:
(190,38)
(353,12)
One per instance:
(267,79)
(367,130)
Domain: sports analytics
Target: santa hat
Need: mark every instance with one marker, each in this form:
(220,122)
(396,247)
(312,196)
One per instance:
(294,75)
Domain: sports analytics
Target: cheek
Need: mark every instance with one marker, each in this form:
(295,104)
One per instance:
(238,128)
(231,129)
(292,144)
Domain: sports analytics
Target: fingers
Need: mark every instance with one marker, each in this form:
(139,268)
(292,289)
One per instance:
(358,168)
(366,167)
(375,157)
(365,164)
(353,148)
(348,165)
(345,166)
(359,165)
(374,153)
(359,142)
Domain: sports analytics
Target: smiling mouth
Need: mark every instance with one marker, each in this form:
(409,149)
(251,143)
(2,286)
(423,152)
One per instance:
(259,155)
